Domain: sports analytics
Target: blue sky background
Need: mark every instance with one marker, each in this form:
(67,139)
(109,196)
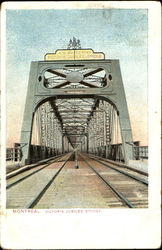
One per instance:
(119,33)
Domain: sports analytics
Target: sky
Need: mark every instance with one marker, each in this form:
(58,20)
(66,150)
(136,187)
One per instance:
(119,33)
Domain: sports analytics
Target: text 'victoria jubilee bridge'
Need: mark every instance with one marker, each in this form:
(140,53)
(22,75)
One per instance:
(76,101)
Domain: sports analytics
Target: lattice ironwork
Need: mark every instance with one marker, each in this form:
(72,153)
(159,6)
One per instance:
(75,77)
(79,104)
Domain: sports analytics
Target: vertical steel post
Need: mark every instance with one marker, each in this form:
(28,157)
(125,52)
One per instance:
(26,131)
(87,143)
(62,143)
(121,104)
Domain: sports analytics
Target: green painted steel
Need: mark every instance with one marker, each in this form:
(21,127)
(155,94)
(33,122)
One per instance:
(113,93)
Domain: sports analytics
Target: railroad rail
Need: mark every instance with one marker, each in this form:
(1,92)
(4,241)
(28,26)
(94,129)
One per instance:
(25,174)
(34,168)
(77,180)
(128,173)
(119,194)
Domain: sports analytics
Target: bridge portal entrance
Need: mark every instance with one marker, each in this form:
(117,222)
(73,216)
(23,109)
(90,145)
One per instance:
(84,92)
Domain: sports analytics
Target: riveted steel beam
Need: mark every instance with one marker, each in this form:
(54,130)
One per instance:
(112,92)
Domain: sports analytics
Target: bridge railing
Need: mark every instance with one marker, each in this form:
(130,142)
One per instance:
(37,152)
(13,154)
(140,152)
(115,152)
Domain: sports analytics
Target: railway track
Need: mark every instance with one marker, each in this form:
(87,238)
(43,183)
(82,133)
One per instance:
(130,172)
(30,179)
(24,173)
(126,184)
(85,182)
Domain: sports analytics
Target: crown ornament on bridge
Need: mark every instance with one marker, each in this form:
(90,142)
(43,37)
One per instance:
(74,44)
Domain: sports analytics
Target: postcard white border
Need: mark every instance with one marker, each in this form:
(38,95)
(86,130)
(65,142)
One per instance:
(111,228)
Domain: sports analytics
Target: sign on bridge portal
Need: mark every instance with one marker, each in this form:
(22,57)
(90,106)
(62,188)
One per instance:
(74,54)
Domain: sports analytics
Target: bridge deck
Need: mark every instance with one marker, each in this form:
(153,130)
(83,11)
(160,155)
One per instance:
(80,181)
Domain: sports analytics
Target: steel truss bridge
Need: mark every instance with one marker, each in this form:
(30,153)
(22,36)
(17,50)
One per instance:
(76,105)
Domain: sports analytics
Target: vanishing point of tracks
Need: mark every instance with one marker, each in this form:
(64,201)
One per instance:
(88,182)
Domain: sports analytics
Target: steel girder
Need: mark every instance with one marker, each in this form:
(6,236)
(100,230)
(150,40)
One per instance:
(84,90)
